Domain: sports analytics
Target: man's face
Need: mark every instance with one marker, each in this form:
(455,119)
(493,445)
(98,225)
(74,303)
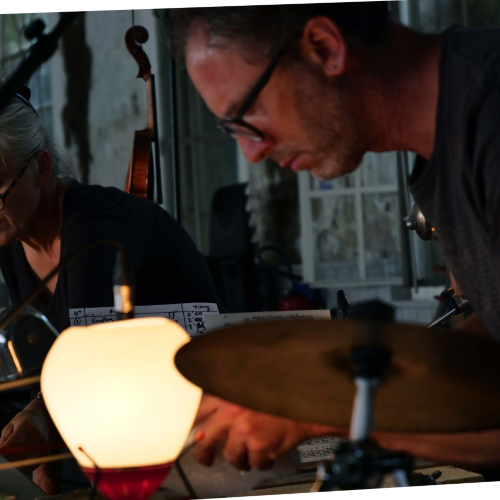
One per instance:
(307,119)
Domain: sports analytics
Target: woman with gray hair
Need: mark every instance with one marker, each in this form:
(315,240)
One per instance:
(45,216)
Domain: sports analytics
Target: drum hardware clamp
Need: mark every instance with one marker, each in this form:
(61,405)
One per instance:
(455,302)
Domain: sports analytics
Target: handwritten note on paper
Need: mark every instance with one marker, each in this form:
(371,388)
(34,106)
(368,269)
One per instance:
(316,449)
(191,316)
(224,320)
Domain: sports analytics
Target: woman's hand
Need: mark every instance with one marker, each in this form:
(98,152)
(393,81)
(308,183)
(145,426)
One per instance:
(32,427)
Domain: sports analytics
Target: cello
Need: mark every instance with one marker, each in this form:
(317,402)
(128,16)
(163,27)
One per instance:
(142,169)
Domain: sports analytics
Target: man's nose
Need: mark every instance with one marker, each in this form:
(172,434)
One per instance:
(255,151)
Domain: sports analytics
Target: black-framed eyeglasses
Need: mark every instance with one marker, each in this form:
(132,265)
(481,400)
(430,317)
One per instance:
(236,125)
(3,196)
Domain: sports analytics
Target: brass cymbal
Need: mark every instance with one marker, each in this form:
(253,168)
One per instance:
(438,381)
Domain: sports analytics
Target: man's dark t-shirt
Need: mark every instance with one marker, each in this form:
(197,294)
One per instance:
(458,189)
(168,267)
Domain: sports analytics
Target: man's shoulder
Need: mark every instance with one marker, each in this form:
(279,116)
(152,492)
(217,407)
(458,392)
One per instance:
(473,49)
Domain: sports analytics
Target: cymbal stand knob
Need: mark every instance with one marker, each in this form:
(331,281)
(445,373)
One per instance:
(418,223)
(410,223)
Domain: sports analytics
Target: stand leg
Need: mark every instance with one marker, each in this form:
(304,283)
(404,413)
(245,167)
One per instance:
(401,477)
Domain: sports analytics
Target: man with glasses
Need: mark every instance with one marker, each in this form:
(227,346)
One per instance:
(316,86)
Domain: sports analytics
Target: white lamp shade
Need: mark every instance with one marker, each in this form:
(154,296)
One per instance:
(114,390)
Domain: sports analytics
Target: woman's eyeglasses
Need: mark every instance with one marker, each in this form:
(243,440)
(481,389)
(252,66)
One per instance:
(3,196)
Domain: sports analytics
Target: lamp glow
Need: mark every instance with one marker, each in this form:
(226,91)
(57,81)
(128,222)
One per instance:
(113,390)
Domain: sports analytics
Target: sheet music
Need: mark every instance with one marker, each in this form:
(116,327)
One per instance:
(225,320)
(316,449)
(191,316)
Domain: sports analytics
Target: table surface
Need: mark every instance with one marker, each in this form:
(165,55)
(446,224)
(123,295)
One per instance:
(302,483)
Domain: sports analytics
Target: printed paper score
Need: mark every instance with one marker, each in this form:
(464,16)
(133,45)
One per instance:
(224,320)
(191,316)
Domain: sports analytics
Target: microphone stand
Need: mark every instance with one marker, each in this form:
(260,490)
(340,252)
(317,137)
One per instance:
(40,52)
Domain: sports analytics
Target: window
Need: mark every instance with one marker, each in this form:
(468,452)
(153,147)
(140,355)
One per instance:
(351,226)
(13,48)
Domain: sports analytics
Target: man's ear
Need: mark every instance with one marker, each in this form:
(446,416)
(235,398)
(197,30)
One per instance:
(324,46)
(44,166)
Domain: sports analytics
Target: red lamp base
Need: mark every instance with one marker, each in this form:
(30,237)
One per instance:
(137,483)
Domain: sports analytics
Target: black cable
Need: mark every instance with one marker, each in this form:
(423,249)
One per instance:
(185,480)
(93,490)
(65,263)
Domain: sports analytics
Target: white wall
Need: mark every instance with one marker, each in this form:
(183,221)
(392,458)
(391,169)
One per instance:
(117,104)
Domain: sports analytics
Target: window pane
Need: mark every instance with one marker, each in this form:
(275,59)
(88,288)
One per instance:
(187,200)
(219,169)
(228,155)
(379,169)
(44,82)
(335,238)
(185,111)
(382,228)
(208,120)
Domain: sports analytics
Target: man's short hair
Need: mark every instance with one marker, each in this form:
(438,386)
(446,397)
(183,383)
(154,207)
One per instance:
(260,31)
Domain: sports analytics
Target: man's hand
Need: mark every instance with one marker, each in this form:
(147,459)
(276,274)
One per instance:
(252,439)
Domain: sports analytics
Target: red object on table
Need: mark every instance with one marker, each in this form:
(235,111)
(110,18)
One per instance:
(295,303)
(133,483)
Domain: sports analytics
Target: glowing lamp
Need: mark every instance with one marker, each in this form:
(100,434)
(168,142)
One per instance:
(115,395)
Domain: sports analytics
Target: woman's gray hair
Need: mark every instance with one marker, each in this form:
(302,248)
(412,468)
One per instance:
(22,136)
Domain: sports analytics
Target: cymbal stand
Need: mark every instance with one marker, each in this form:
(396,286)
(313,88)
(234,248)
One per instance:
(358,462)
(342,305)
(456,304)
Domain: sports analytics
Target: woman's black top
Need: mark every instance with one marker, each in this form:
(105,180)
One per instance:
(168,267)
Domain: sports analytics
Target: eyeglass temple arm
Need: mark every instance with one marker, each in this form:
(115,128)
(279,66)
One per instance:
(260,85)
(14,182)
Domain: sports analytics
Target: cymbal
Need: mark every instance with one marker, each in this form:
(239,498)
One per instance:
(438,381)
